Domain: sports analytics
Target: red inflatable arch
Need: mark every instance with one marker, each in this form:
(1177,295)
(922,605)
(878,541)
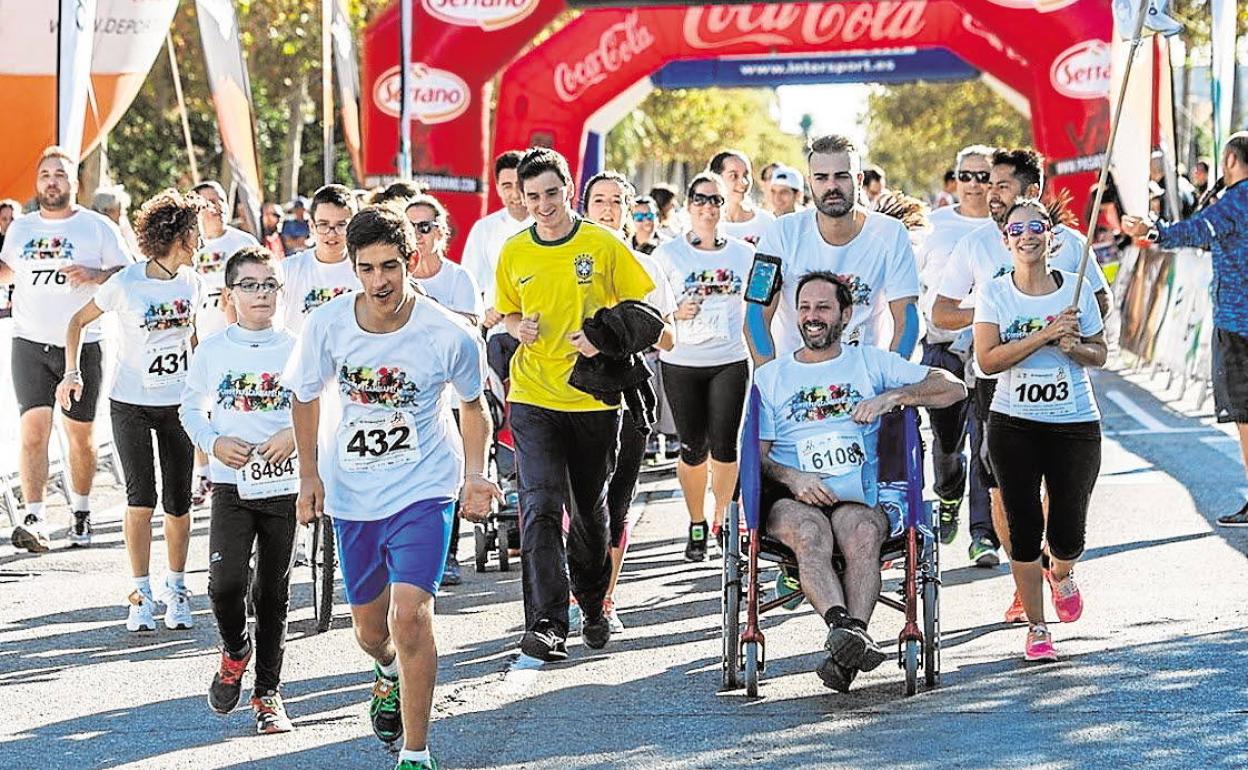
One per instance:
(1053,52)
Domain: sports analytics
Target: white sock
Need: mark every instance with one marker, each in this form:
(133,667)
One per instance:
(143,585)
(415,756)
(391,669)
(176,579)
(80,502)
(35,509)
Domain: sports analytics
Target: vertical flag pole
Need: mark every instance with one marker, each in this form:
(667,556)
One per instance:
(327,91)
(405,86)
(186,123)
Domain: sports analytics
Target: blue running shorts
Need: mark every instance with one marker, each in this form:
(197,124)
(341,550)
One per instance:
(408,547)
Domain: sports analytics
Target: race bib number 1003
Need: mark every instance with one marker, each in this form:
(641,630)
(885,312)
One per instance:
(377,442)
(1042,393)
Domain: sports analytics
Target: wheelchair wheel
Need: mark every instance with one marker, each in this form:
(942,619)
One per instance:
(504,557)
(731,604)
(481,539)
(931,613)
(912,667)
(322,560)
(751,669)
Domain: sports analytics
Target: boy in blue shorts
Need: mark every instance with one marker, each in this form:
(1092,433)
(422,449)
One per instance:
(392,468)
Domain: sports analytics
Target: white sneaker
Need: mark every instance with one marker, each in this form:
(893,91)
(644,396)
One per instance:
(613,620)
(31,535)
(178,609)
(140,617)
(575,619)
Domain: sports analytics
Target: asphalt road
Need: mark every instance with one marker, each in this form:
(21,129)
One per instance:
(1153,676)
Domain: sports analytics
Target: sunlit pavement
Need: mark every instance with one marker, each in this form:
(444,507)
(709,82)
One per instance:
(1153,676)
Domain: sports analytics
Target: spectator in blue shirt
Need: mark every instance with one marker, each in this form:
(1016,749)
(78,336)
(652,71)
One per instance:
(296,230)
(1222,228)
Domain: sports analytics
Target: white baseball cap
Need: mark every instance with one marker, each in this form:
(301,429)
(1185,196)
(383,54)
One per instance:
(789,177)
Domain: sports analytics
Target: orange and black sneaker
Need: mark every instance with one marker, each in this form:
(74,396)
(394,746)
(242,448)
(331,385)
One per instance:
(227,683)
(270,713)
(384,710)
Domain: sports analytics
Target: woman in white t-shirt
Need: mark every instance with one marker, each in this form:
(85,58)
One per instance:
(706,375)
(741,218)
(156,303)
(446,281)
(1044,426)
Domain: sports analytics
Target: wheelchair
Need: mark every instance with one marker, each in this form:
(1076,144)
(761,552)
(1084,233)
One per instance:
(917,547)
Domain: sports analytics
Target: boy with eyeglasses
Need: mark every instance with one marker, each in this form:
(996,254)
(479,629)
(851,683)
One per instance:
(315,276)
(235,408)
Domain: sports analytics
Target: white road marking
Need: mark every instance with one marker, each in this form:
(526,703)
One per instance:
(1137,413)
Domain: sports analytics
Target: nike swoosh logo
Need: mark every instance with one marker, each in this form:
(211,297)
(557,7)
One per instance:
(523,281)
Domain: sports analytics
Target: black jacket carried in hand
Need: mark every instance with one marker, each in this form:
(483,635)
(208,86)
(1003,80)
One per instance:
(621,334)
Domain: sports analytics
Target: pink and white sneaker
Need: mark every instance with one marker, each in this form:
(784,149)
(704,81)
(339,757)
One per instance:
(1039,645)
(1066,597)
(1016,613)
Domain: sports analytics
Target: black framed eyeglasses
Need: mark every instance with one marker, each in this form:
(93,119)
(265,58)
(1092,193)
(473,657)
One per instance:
(698,199)
(976,176)
(255,287)
(325,228)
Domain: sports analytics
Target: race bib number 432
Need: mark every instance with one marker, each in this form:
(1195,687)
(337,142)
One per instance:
(260,479)
(832,454)
(377,442)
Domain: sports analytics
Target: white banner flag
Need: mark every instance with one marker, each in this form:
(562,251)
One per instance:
(1223,76)
(75,44)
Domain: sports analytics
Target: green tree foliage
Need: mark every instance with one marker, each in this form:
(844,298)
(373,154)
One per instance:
(915,130)
(281,39)
(688,126)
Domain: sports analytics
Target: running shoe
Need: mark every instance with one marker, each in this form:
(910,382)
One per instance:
(227,683)
(853,647)
(544,642)
(613,618)
(1016,613)
(786,585)
(451,575)
(1039,644)
(597,632)
(834,675)
(31,535)
(80,531)
(983,553)
(695,547)
(270,714)
(1237,519)
(948,517)
(1066,597)
(141,617)
(201,493)
(177,603)
(575,619)
(411,764)
(383,709)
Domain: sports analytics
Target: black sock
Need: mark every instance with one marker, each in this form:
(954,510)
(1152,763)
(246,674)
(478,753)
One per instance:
(1044,560)
(861,625)
(836,616)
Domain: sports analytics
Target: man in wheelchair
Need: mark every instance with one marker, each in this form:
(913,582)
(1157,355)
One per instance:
(819,426)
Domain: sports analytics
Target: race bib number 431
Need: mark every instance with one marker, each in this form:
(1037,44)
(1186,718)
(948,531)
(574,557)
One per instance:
(377,442)
(260,479)
(165,364)
(832,454)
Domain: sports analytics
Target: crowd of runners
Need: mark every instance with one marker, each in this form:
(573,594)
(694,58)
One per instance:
(348,379)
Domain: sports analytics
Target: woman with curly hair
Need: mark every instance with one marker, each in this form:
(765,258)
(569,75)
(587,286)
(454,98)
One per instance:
(155,302)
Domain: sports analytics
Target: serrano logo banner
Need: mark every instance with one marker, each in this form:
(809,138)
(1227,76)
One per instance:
(438,95)
(1082,71)
(486,14)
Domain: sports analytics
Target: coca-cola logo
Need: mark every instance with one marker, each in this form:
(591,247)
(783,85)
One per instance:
(617,46)
(1083,71)
(1041,6)
(712,27)
(437,95)
(489,15)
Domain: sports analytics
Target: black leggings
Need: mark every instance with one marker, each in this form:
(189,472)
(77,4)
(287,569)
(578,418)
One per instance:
(707,405)
(133,426)
(236,525)
(1064,459)
(623,486)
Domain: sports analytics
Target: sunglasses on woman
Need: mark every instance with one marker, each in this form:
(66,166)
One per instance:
(643,216)
(426,227)
(698,199)
(978,176)
(1035,227)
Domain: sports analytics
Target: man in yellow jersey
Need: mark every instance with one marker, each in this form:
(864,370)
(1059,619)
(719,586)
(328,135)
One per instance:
(550,279)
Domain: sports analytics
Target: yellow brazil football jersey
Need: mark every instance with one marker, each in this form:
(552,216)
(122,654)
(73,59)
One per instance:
(563,282)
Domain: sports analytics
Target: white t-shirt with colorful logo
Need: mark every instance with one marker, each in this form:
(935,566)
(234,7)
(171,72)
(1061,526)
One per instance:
(396,443)
(878,264)
(948,228)
(1046,386)
(308,283)
(806,412)
(156,319)
(36,249)
(210,264)
(752,231)
(455,289)
(235,389)
(715,336)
